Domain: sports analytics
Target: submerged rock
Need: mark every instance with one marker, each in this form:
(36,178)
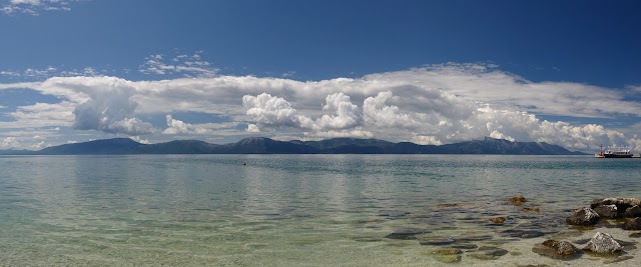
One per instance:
(406,233)
(517,200)
(498,220)
(471,237)
(634,224)
(393,214)
(488,253)
(447,251)
(556,249)
(584,216)
(618,259)
(465,246)
(607,211)
(447,258)
(522,233)
(531,209)
(436,241)
(603,243)
(633,212)
(635,235)
(367,239)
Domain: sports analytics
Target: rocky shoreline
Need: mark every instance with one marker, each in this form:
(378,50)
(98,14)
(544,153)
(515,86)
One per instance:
(525,220)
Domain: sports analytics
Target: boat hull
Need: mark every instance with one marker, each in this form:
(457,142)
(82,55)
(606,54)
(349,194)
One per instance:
(617,156)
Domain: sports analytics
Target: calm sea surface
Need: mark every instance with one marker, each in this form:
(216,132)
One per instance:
(295,210)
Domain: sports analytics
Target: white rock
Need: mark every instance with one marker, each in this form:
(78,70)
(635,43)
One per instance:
(603,243)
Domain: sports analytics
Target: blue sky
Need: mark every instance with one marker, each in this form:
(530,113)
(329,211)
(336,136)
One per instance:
(432,72)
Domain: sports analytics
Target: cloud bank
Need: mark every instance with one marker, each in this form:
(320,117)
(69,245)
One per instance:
(436,104)
(34,7)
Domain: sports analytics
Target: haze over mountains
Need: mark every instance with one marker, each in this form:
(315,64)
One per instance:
(259,145)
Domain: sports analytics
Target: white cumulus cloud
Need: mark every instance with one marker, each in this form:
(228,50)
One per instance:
(9,142)
(272,112)
(104,104)
(180,127)
(437,104)
(343,115)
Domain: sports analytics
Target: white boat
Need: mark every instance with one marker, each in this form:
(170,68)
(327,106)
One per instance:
(615,152)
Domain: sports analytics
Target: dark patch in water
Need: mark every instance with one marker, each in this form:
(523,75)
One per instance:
(522,233)
(464,246)
(406,233)
(393,215)
(436,241)
(635,235)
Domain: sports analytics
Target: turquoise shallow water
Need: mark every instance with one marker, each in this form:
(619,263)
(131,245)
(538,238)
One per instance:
(297,210)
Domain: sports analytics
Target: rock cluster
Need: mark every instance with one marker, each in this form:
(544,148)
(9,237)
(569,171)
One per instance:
(617,207)
(609,208)
(447,249)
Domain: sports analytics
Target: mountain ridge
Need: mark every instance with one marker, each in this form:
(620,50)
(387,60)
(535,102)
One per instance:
(263,145)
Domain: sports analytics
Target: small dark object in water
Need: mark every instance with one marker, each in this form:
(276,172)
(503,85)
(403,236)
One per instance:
(406,234)
(522,233)
(392,214)
(464,246)
(517,200)
(436,241)
(531,209)
(498,219)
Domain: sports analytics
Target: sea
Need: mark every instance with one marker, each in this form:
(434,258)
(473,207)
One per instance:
(304,210)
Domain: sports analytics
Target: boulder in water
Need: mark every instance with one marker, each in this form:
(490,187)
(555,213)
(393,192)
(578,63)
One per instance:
(556,249)
(634,224)
(607,211)
(633,212)
(517,200)
(603,243)
(584,216)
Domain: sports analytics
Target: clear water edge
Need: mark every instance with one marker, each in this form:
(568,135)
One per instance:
(277,210)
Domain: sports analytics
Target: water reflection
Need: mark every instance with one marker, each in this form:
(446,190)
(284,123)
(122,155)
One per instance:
(238,208)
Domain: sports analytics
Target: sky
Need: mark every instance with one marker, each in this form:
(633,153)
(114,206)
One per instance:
(428,72)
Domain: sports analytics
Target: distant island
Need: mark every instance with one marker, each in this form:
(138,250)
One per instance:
(260,145)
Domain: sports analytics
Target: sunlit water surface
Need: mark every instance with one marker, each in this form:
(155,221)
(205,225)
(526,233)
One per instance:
(296,210)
